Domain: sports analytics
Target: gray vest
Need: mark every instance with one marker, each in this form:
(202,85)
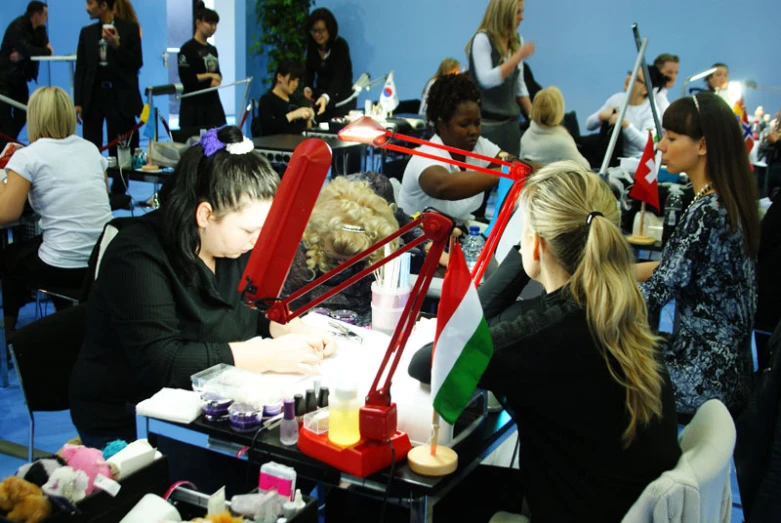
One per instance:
(497,103)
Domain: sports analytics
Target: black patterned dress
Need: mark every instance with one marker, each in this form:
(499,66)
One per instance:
(705,270)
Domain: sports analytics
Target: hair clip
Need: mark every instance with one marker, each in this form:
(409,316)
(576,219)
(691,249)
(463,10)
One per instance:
(696,103)
(352,228)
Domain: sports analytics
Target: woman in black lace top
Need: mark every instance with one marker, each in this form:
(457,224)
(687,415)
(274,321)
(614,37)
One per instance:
(709,265)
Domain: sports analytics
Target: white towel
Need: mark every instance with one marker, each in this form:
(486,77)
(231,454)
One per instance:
(177,405)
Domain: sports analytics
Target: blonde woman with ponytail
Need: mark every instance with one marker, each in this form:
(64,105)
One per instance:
(579,367)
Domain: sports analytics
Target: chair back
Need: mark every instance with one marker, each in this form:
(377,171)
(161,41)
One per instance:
(44,354)
(698,488)
(110,230)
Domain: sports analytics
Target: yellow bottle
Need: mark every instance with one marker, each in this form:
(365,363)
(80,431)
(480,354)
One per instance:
(343,407)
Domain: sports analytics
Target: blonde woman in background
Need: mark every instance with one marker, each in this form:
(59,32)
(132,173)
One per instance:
(64,178)
(446,66)
(496,53)
(348,218)
(547,141)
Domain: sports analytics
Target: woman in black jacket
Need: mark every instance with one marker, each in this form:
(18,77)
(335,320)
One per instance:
(329,70)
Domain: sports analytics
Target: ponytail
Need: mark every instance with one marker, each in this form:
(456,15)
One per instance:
(604,284)
(575,212)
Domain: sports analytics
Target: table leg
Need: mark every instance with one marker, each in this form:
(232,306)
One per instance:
(421,510)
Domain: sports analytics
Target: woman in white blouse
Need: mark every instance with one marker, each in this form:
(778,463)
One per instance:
(637,120)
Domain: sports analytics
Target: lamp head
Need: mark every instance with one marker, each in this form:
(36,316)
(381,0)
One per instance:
(365,130)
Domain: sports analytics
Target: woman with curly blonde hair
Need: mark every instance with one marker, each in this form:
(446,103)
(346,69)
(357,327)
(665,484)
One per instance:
(348,218)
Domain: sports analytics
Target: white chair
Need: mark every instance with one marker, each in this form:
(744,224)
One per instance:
(698,488)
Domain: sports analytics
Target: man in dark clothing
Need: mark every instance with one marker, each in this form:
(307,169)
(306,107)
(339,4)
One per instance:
(106,83)
(24,38)
(199,68)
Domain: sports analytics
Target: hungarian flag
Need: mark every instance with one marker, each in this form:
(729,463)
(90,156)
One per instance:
(463,346)
(646,189)
(389,99)
(748,136)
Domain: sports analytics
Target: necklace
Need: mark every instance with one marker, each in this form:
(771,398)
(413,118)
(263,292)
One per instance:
(702,192)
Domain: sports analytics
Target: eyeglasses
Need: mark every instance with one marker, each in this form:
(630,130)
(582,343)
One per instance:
(318,31)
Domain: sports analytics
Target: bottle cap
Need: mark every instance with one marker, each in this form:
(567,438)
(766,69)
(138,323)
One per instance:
(298,399)
(346,392)
(311,400)
(322,400)
(474,230)
(289,406)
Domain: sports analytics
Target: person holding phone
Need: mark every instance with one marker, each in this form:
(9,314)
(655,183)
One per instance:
(108,59)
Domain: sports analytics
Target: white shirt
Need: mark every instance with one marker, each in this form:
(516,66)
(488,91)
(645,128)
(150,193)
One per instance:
(412,199)
(640,120)
(662,103)
(487,75)
(550,144)
(68,191)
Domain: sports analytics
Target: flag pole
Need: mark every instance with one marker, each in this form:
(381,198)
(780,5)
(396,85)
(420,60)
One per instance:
(433,460)
(435,433)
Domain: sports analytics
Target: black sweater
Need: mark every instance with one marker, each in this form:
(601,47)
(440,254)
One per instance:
(332,75)
(203,110)
(147,328)
(570,412)
(272,111)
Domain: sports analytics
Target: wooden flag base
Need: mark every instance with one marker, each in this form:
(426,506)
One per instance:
(150,167)
(422,462)
(640,239)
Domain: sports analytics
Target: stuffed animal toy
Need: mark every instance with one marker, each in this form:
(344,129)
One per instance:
(23,501)
(88,460)
(67,483)
(113,447)
(39,471)
(222,517)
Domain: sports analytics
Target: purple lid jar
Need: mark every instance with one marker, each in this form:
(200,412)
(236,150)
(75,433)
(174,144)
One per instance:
(215,407)
(244,417)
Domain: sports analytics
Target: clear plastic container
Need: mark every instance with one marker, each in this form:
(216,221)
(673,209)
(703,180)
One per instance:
(344,429)
(317,421)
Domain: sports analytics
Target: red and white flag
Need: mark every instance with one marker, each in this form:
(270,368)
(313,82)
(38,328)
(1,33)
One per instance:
(748,136)
(646,188)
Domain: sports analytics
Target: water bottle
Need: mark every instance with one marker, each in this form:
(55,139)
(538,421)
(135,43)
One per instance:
(472,245)
(138,158)
(673,207)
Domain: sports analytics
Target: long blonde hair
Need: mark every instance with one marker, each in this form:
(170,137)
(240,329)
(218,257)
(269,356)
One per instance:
(348,218)
(50,114)
(548,107)
(557,201)
(499,24)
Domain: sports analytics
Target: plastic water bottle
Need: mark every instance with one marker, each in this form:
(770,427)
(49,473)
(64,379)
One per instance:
(673,208)
(472,245)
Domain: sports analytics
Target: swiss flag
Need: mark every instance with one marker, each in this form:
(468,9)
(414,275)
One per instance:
(646,189)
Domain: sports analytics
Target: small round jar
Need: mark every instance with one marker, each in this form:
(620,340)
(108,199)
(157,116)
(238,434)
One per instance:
(322,310)
(244,417)
(345,315)
(271,410)
(215,407)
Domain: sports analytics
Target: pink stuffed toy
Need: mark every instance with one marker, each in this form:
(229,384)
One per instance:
(88,460)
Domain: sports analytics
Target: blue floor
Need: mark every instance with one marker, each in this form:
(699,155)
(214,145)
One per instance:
(53,429)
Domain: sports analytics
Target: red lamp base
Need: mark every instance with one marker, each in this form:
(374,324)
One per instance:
(362,459)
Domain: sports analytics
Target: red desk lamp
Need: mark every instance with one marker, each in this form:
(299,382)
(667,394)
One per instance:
(264,276)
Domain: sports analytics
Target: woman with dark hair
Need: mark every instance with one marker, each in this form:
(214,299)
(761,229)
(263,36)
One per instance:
(329,69)
(277,114)
(718,82)
(709,264)
(164,305)
(199,68)
(454,111)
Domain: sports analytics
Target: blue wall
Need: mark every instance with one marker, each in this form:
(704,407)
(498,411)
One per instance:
(583,47)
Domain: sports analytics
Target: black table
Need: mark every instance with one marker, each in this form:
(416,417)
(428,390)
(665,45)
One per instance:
(278,148)
(155,177)
(420,492)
